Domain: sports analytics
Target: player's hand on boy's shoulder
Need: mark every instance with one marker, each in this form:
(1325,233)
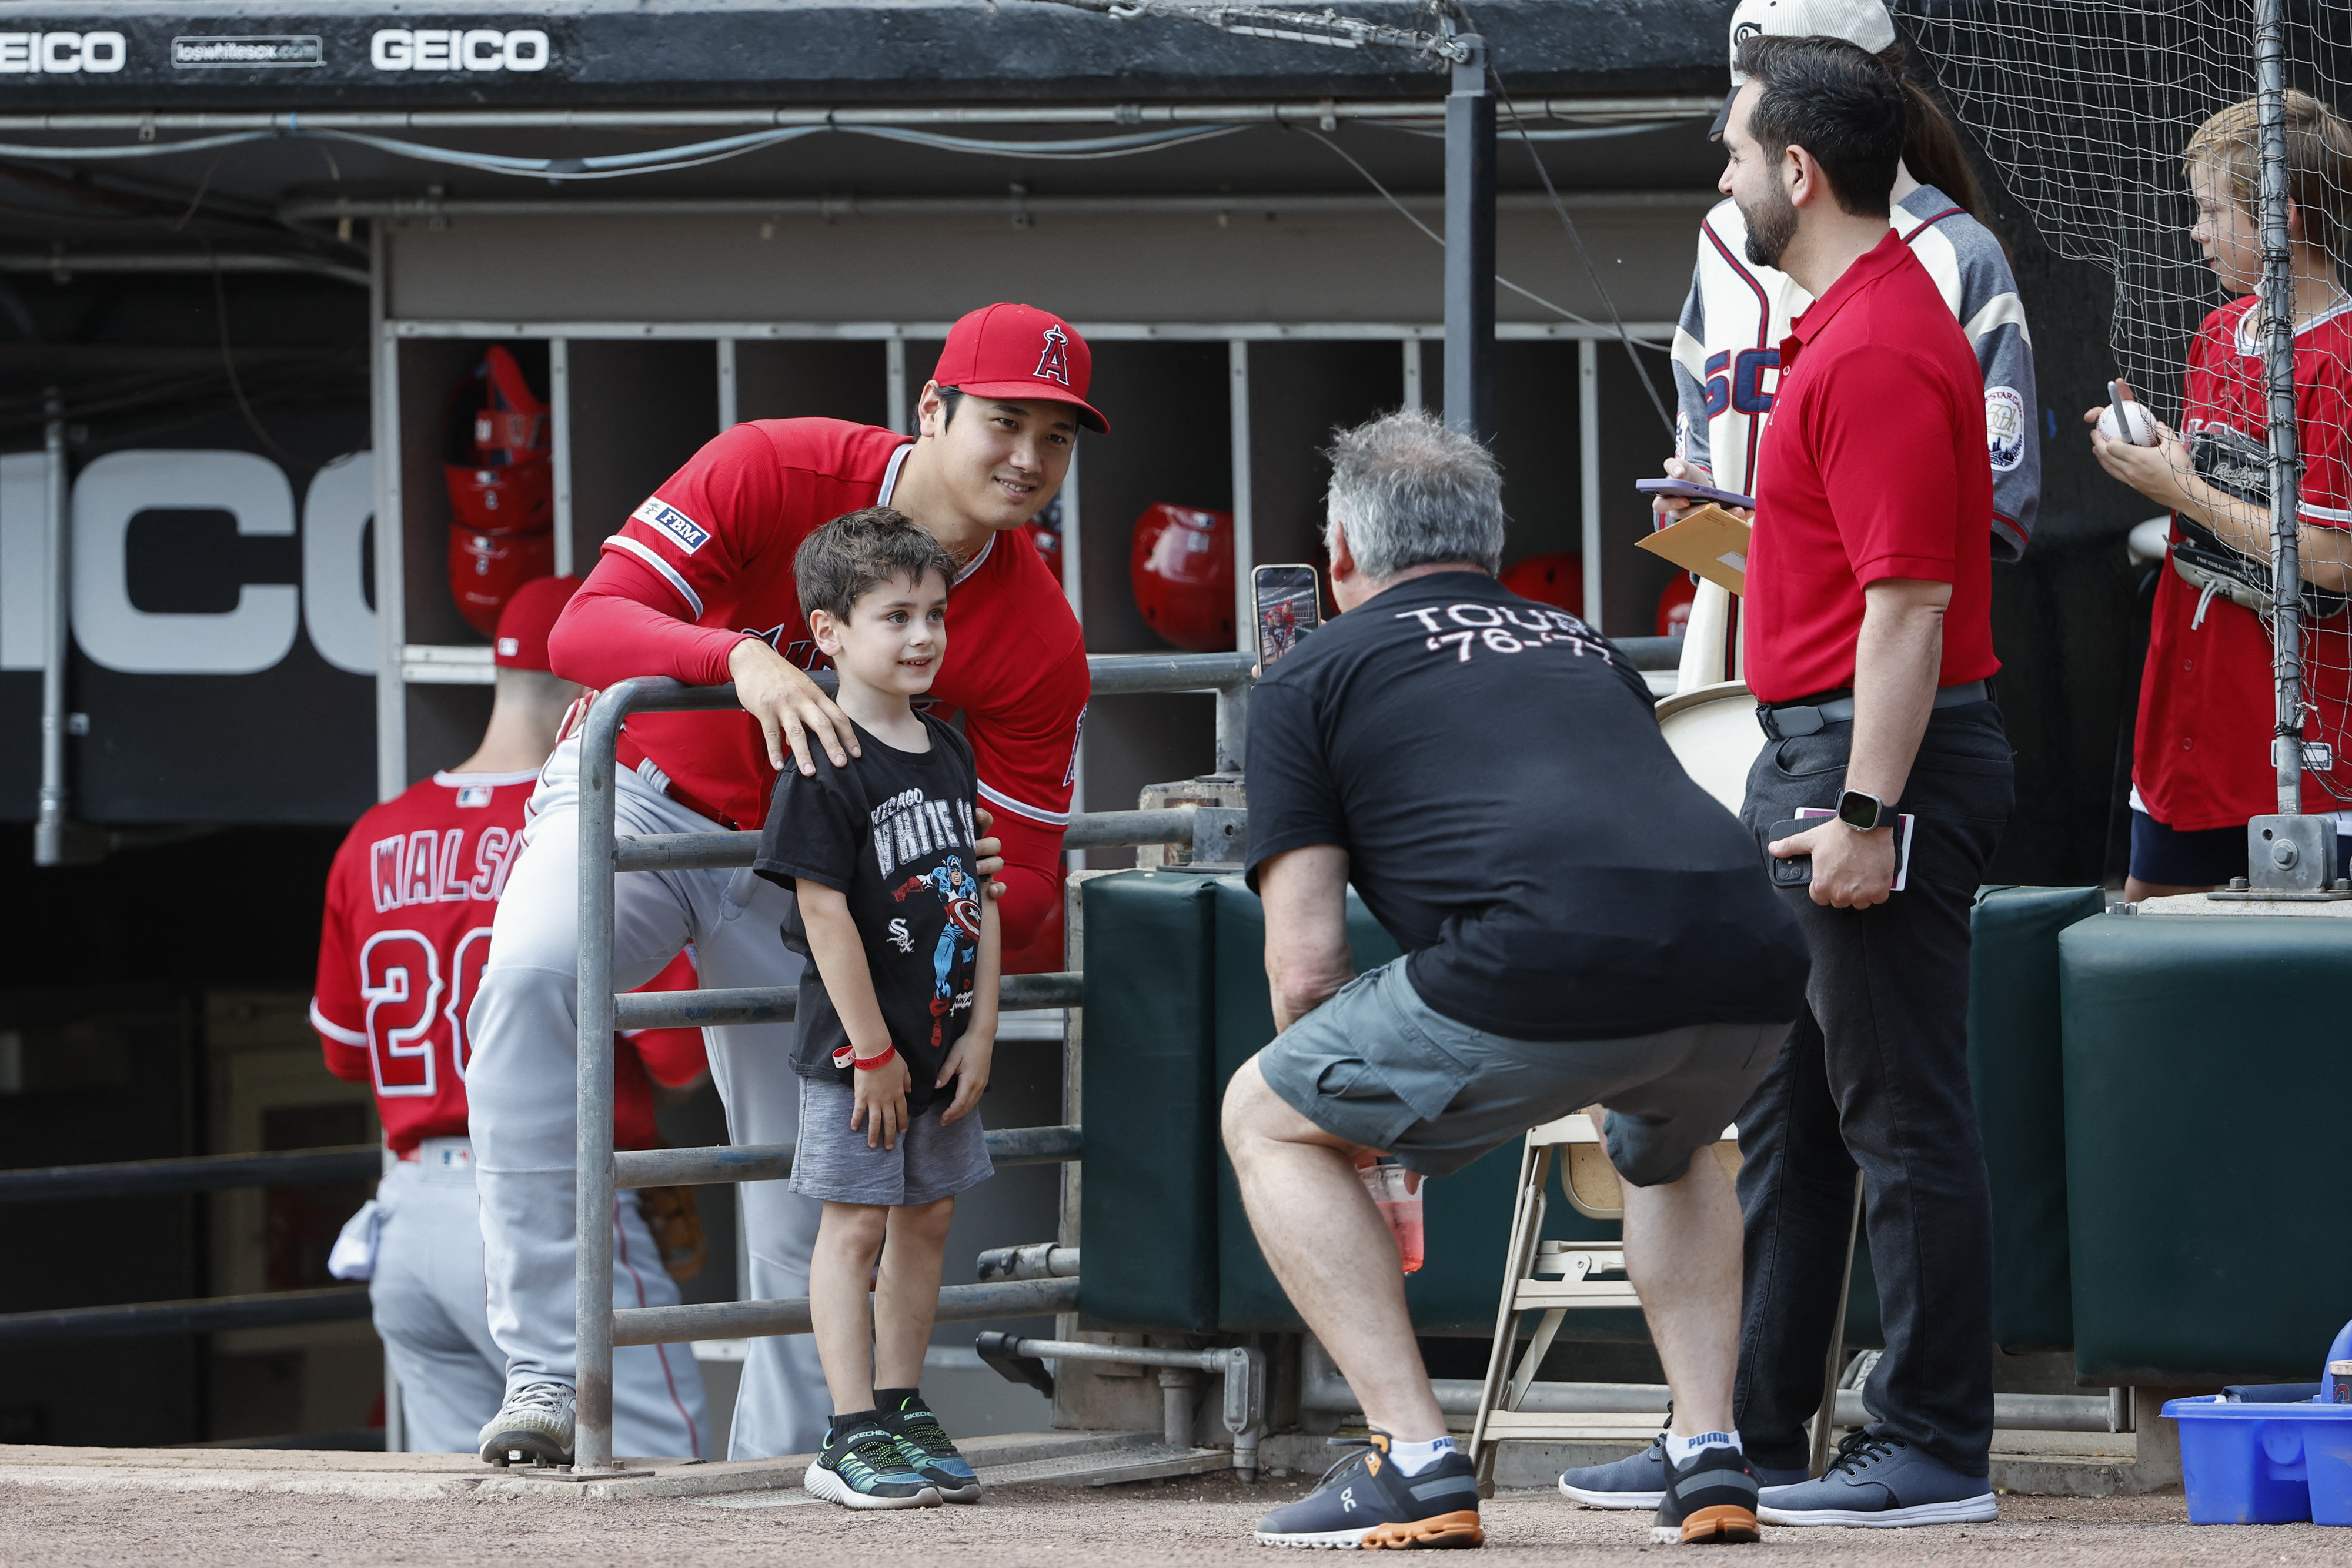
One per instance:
(990,854)
(878,1104)
(793,710)
(967,1063)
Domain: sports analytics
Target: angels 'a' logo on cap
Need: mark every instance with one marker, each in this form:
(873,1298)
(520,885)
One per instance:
(1053,365)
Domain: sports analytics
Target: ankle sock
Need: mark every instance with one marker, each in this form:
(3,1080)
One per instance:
(894,1400)
(843,1421)
(1680,1449)
(1411,1458)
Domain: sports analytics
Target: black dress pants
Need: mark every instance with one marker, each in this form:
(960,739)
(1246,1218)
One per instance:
(1875,1076)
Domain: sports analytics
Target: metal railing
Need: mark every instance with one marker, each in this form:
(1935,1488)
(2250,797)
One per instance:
(601,1326)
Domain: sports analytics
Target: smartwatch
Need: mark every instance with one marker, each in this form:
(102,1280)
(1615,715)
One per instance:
(1859,812)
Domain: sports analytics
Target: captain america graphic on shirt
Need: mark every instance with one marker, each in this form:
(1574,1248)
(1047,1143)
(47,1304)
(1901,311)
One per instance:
(894,833)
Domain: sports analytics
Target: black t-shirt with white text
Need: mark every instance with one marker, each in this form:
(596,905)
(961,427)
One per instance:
(1511,814)
(893,832)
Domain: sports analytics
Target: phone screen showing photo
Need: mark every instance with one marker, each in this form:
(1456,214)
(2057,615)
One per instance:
(1288,607)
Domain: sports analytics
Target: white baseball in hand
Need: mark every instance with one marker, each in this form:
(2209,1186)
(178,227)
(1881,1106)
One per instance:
(2134,419)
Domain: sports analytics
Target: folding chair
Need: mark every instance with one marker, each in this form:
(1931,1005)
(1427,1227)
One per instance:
(1556,1277)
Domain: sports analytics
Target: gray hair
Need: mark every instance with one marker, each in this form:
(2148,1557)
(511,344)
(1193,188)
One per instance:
(1410,493)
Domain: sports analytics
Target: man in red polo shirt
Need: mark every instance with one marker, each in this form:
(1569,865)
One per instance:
(1869,642)
(697,585)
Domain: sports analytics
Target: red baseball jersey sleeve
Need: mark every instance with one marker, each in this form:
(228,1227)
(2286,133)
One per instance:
(708,560)
(2200,754)
(409,898)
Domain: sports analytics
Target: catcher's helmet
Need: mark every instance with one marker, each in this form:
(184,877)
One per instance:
(1182,568)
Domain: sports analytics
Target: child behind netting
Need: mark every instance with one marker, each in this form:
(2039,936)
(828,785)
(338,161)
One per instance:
(2201,757)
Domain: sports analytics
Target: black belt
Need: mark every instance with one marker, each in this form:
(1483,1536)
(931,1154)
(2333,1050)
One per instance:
(1809,716)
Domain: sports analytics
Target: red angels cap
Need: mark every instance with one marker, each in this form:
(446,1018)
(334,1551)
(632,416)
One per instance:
(1020,351)
(529,616)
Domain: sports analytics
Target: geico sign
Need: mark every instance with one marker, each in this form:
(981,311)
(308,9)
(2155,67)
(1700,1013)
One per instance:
(330,604)
(59,54)
(458,49)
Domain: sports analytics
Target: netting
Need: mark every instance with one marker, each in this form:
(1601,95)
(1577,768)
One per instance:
(2086,110)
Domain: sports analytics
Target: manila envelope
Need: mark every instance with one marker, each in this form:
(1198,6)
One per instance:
(1711,542)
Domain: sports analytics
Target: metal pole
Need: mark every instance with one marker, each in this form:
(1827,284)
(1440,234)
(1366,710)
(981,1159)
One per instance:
(1588,461)
(558,400)
(391,591)
(728,402)
(49,832)
(1470,245)
(894,392)
(2278,382)
(592,1307)
(1237,392)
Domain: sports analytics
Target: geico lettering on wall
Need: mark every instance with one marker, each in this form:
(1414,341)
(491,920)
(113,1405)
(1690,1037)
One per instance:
(61,54)
(330,604)
(458,49)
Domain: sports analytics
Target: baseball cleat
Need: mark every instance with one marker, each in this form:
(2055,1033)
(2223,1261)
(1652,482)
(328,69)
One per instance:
(1364,1503)
(1710,1501)
(861,1468)
(532,1427)
(924,1443)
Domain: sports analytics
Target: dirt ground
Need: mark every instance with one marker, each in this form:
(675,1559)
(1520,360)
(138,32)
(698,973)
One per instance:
(1193,1522)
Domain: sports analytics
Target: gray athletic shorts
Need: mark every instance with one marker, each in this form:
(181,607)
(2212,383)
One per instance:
(1378,1066)
(931,1162)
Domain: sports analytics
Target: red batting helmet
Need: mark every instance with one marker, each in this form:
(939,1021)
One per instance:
(1556,580)
(496,459)
(486,569)
(1182,571)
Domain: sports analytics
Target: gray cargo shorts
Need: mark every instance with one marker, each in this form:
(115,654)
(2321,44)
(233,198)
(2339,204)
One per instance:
(1378,1066)
(931,1162)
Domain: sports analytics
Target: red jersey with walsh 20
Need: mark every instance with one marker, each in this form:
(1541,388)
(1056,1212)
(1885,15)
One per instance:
(1872,467)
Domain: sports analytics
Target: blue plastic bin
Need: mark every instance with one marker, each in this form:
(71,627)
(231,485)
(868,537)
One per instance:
(2264,1464)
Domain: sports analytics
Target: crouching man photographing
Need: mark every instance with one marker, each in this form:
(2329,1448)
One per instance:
(1582,923)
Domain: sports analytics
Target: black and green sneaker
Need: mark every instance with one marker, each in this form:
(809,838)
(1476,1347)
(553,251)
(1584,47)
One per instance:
(861,1468)
(923,1443)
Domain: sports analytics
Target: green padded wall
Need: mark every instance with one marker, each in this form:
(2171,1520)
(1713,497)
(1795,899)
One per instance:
(1467,1220)
(1148,1203)
(2207,1060)
(2017,1070)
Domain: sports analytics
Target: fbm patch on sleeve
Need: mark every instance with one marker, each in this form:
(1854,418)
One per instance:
(690,535)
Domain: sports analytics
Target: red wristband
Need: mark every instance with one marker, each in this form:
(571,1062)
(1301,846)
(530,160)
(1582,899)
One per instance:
(868,1063)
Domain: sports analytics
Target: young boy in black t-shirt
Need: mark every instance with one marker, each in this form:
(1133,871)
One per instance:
(897,1005)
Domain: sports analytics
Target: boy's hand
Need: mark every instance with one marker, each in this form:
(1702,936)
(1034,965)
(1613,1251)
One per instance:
(880,1101)
(991,853)
(2154,471)
(967,1063)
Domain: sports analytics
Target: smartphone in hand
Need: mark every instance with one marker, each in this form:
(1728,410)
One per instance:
(1690,490)
(1288,605)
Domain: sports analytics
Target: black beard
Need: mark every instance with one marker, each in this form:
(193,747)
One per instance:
(1771,227)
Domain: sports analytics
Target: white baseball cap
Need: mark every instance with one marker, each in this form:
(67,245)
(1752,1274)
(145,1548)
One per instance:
(1865,23)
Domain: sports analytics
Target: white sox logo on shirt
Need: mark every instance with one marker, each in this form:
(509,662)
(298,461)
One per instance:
(1053,365)
(690,535)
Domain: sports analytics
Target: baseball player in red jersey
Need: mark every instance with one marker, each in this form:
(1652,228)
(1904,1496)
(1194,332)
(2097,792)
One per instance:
(698,585)
(407,930)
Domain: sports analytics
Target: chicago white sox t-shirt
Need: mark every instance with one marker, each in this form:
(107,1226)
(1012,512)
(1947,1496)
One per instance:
(1511,814)
(893,832)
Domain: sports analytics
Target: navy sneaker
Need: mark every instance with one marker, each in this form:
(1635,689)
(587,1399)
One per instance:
(1883,1481)
(1639,1480)
(924,1443)
(861,1467)
(1365,1502)
(1710,1501)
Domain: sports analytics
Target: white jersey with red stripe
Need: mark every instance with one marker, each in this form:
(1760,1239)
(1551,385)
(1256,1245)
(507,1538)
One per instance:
(410,897)
(1727,350)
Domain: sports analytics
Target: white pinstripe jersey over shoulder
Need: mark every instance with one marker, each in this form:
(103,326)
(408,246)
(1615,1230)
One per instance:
(1727,350)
